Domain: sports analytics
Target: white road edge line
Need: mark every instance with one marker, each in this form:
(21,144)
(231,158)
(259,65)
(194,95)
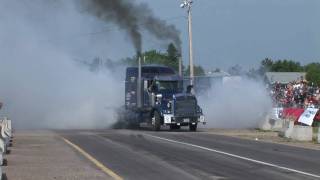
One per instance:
(236,156)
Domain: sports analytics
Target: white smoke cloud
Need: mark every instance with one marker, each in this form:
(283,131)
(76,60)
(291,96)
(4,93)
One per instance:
(40,84)
(238,103)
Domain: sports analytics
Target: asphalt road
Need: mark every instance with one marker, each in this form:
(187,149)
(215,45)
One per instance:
(194,155)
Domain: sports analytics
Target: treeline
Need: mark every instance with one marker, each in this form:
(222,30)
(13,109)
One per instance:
(169,58)
(312,69)
(281,66)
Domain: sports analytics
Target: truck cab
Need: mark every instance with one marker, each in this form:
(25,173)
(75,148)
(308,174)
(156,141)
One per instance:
(162,99)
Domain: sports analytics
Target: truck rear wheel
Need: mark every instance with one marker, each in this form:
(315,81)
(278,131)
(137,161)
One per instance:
(156,121)
(174,127)
(193,127)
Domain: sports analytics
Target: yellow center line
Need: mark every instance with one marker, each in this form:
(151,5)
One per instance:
(94,161)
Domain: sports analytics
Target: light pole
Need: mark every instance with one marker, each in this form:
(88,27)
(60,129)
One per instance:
(180,66)
(139,86)
(188,4)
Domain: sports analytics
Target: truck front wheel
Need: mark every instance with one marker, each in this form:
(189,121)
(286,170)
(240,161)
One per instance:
(156,121)
(193,127)
(174,127)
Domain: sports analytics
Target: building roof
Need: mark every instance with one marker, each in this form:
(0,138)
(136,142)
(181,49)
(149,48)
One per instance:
(217,74)
(285,77)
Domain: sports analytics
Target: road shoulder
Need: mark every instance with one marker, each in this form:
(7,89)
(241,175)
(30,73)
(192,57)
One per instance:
(38,155)
(264,136)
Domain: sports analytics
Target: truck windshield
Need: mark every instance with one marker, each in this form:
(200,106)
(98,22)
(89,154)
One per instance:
(168,86)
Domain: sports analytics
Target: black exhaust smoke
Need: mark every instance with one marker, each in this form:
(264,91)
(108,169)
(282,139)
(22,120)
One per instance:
(132,18)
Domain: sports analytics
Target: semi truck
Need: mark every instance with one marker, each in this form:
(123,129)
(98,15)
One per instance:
(155,96)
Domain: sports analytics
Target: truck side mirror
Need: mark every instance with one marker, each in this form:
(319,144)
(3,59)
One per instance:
(189,89)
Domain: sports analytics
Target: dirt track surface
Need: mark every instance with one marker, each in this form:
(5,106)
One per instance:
(265,136)
(43,155)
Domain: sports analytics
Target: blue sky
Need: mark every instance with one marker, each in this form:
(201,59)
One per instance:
(228,32)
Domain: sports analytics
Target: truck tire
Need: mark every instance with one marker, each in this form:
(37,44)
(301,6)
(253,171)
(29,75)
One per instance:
(174,127)
(156,121)
(193,127)
(4,176)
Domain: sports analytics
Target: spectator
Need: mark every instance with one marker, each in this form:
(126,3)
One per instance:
(296,94)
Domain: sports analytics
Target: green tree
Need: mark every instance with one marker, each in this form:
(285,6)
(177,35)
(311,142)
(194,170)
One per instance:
(169,58)
(155,57)
(198,71)
(286,66)
(266,64)
(313,73)
(173,56)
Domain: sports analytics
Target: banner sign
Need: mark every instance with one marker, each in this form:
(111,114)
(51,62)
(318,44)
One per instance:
(308,116)
(293,113)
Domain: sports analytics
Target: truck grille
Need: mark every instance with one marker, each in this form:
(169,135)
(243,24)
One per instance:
(185,107)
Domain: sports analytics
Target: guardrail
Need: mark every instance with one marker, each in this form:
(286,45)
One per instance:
(319,135)
(272,121)
(288,127)
(5,142)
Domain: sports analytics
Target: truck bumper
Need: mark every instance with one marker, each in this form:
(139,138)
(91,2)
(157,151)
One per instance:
(170,119)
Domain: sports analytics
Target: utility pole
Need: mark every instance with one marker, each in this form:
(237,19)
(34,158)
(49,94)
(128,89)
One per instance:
(188,4)
(180,66)
(139,86)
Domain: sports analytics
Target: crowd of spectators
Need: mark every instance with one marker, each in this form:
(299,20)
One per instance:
(298,94)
